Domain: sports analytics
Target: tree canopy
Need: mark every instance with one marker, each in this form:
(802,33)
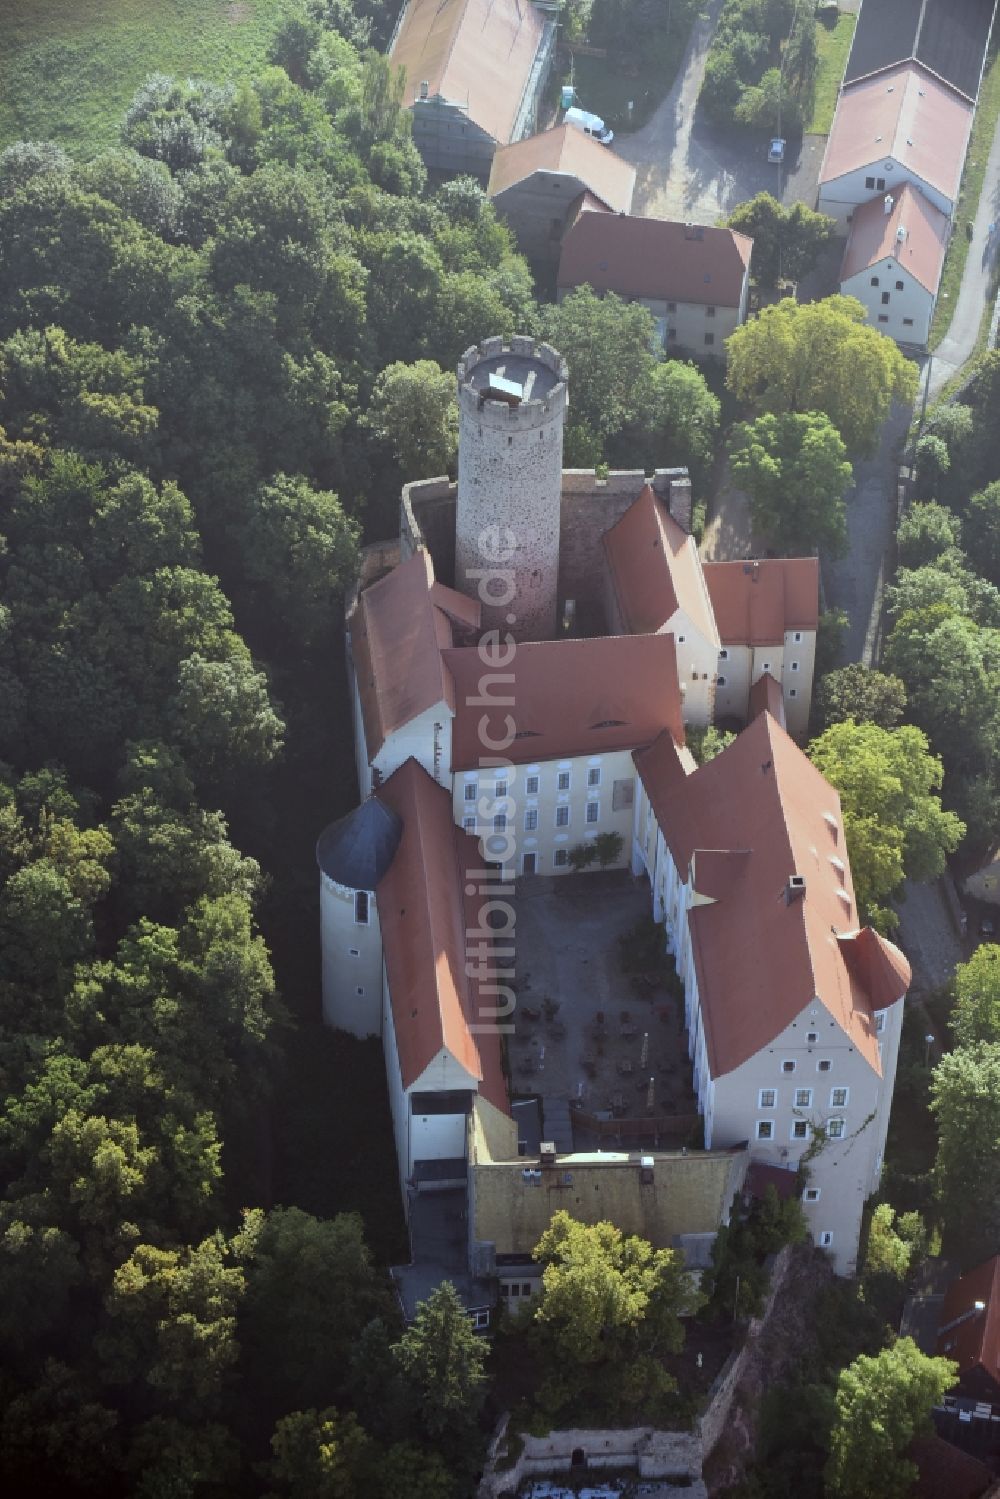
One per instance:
(787,242)
(795,469)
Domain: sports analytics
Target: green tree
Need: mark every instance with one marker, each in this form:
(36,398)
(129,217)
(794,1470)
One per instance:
(678,419)
(222,717)
(976,1016)
(981,531)
(606,343)
(318,1453)
(787,242)
(882,1404)
(926,533)
(821,356)
(894,824)
(795,469)
(965,1099)
(443,1362)
(894,1243)
(414,410)
(859,692)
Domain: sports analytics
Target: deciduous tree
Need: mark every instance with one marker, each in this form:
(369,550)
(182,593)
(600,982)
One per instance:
(795,469)
(859,692)
(965,1099)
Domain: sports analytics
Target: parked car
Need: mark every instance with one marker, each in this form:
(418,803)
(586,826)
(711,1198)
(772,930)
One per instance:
(776,150)
(590,124)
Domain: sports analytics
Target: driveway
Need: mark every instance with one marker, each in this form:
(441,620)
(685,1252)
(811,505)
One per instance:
(689,169)
(928,936)
(960,340)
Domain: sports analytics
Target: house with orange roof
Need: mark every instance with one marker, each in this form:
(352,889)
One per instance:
(474,72)
(893,262)
(793,1010)
(969,1331)
(693,278)
(901,124)
(767,614)
(539,183)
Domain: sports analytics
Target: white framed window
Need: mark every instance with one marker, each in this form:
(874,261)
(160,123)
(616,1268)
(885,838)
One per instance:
(361,916)
(531,819)
(562,817)
(788,1065)
(562,780)
(480,1320)
(824,1065)
(500,823)
(765,1129)
(835,1129)
(355,952)
(839,1097)
(811,1194)
(812,1037)
(593,811)
(795,666)
(471,790)
(560,858)
(800,1130)
(469,824)
(803,1098)
(723,654)
(767,1098)
(766,666)
(720,681)
(880,1022)
(825,1238)
(531,785)
(793,692)
(500,790)
(797,637)
(594,775)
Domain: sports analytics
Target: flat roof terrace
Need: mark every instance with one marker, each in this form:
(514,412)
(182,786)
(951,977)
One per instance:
(599,1012)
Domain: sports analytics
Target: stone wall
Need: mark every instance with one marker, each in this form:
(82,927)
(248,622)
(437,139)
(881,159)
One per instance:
(653,1454)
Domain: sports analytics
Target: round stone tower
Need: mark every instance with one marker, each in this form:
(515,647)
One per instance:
(353,855)
(512,405)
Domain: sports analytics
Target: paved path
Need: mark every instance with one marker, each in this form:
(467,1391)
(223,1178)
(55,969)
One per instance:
(960,340)
(928,935)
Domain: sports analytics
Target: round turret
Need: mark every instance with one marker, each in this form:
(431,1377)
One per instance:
(512,401)
(353,855)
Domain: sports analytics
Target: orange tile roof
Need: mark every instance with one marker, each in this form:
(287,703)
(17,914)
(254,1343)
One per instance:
(904,113)
(756,602)
(874,237)
(974,1342)
(749,819)
(476,53)
(655,569)
(398,630)
(566,152)
(424,915)
(566,698)
(766,696)
(655,258)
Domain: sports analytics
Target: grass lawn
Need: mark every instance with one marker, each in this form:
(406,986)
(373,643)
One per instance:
(70,67)
(833,43)
(983,127)
(607,86)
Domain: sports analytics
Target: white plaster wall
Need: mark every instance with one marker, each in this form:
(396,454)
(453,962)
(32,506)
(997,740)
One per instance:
(800,652)
(418,739)
(544,839)
(438,1137)
(399,1104)
(360,743)
(914,302)
(842,195)
(352,961)
(696,669)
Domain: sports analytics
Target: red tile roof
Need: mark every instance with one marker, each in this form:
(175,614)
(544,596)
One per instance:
(477,53)
(655,258)
(750,818)
(874,237)
(766,696)
(946,1472)
(975,1342)
(756,602)
(566,152)
(424,914)
(398,630)
(905,113)
(655,569)
(566,698)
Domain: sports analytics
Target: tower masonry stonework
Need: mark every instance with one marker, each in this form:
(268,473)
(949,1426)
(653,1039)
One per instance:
(512,400)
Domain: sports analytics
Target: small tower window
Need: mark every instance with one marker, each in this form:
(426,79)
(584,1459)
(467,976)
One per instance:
(361,907)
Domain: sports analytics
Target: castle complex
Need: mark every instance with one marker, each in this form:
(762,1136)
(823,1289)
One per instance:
(526,662)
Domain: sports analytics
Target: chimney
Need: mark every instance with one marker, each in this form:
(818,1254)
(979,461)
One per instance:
(795,889)
(680,504)
(425,89)
(889,201)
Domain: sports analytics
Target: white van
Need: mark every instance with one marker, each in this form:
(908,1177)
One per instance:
(590,125)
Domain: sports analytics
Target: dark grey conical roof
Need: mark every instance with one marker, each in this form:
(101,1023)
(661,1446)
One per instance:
(357,850)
